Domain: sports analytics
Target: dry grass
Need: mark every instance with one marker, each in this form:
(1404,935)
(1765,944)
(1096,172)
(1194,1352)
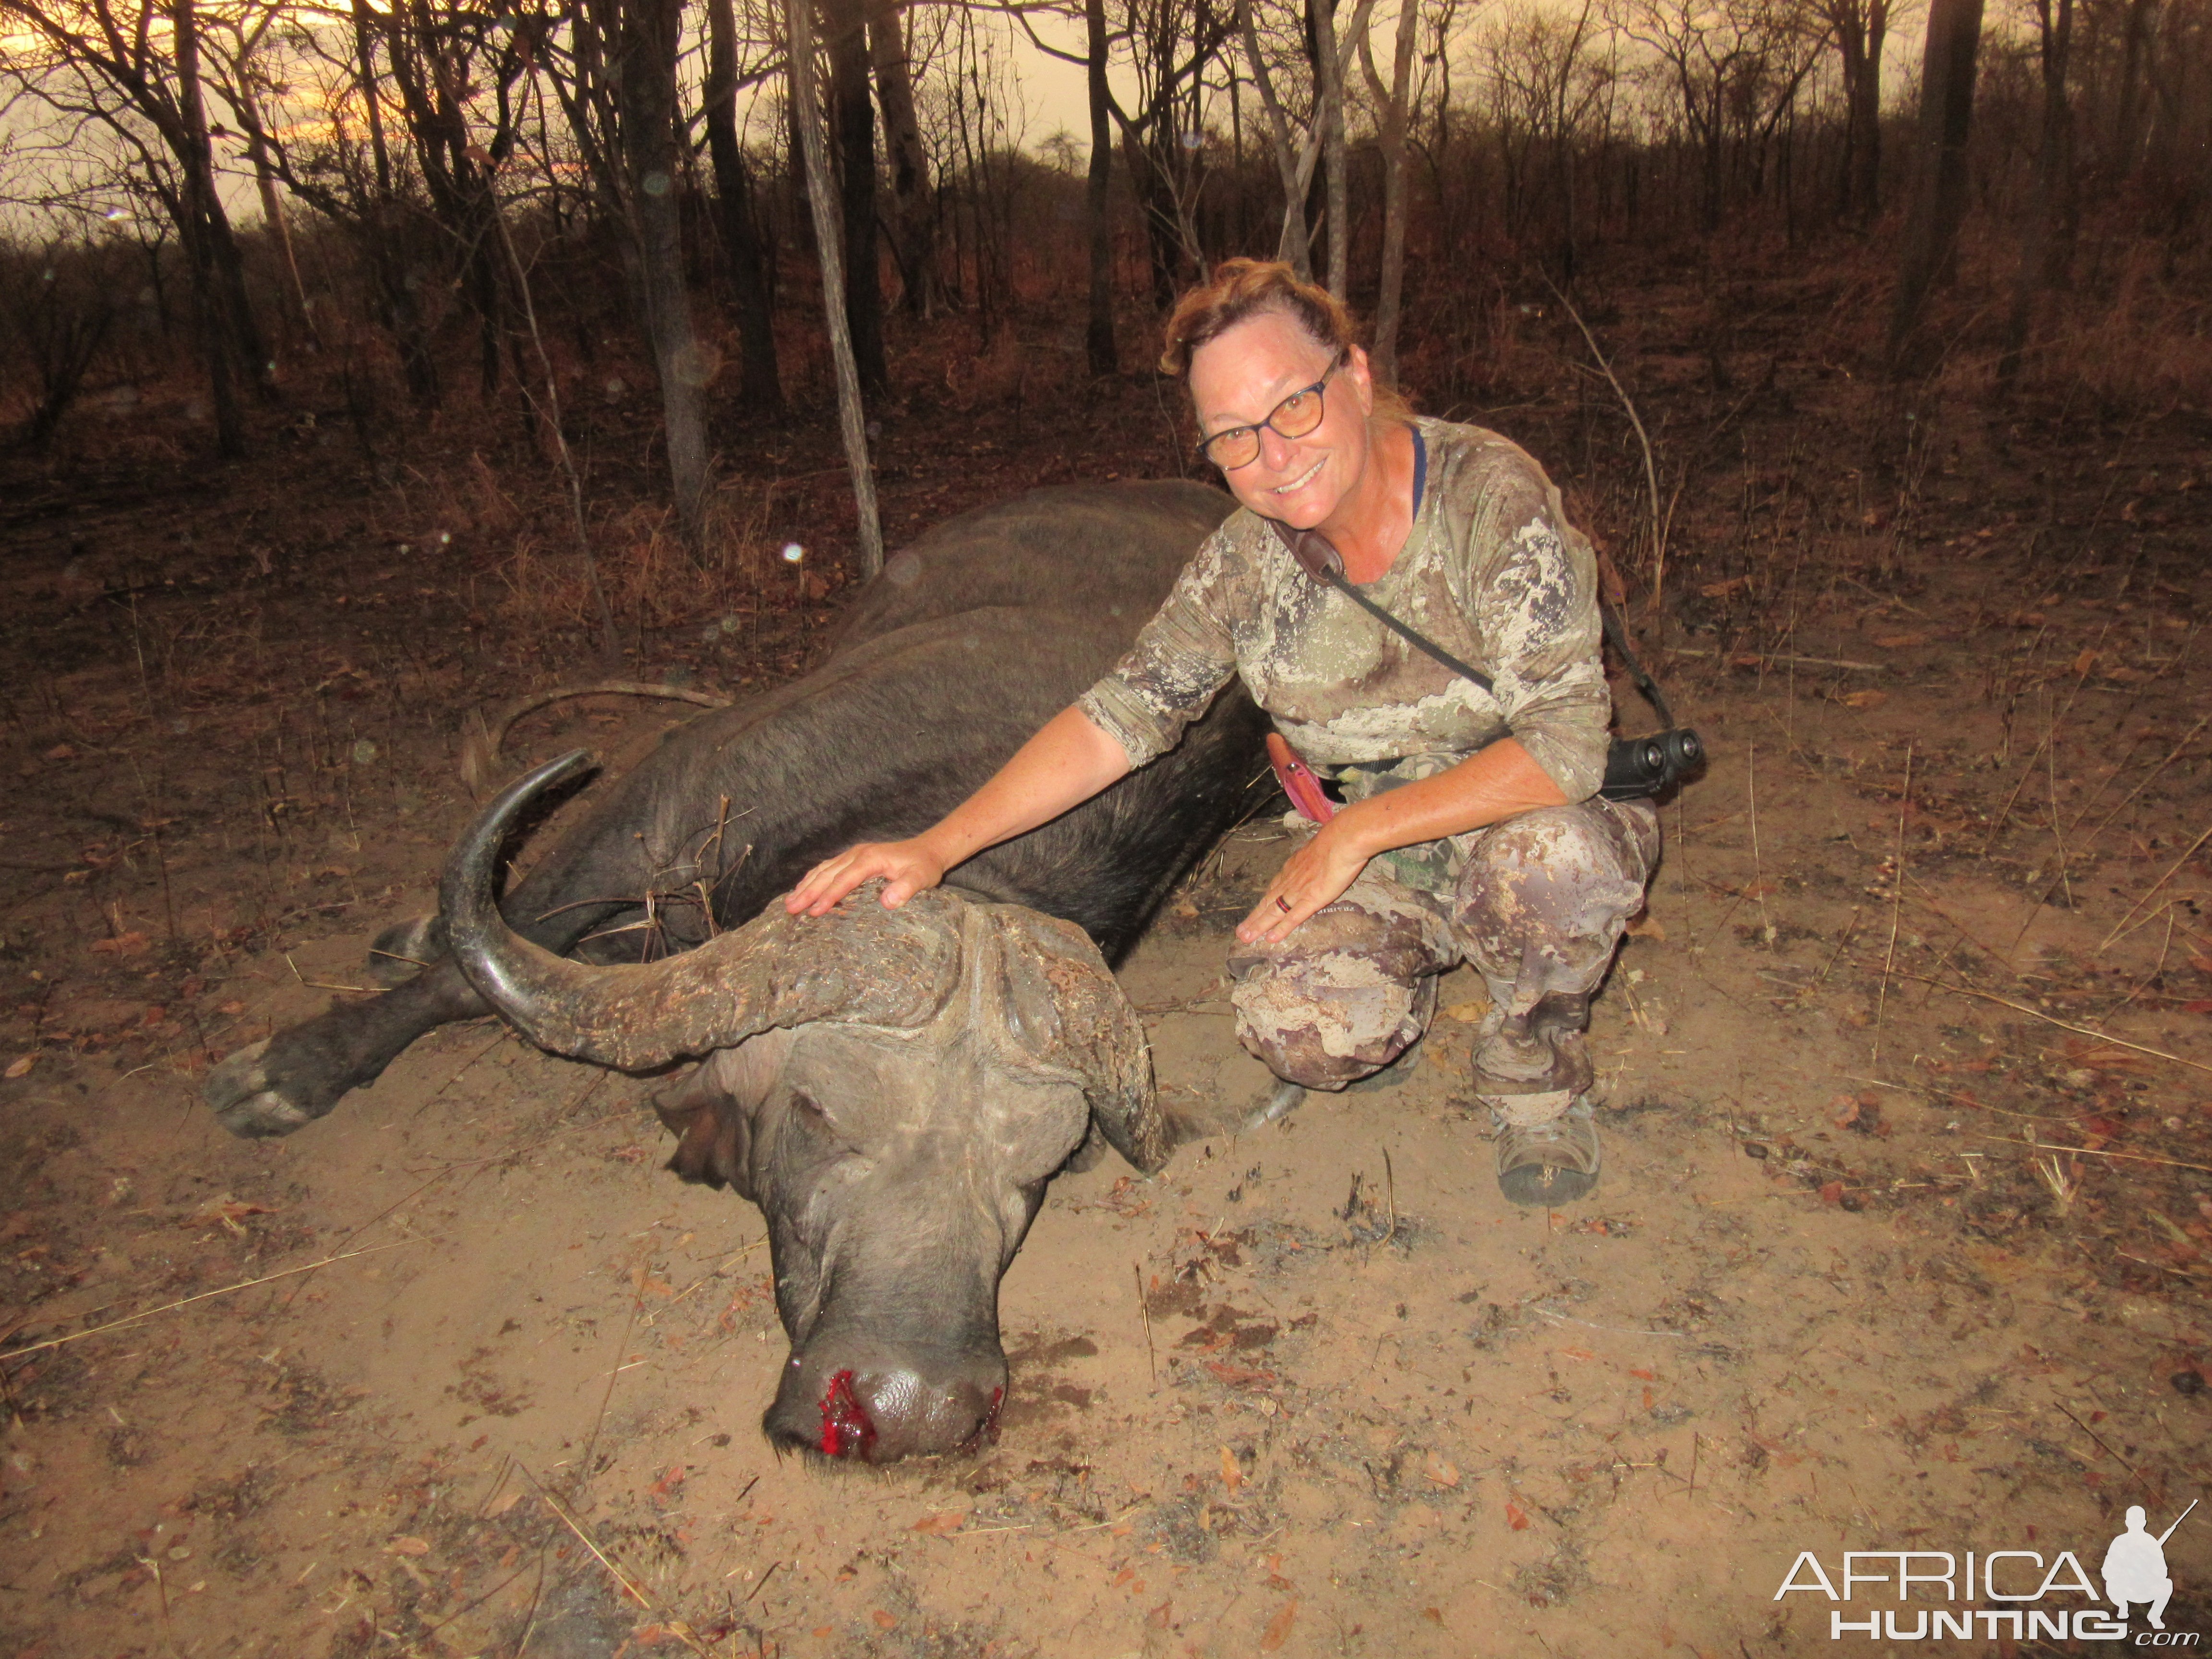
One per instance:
(652,581)
(2147,347)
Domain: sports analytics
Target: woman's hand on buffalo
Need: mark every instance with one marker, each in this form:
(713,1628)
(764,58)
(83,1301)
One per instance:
(1313,876)
(907,867)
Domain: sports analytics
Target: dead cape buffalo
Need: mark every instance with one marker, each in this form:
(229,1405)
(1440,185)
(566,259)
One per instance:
(856,1145)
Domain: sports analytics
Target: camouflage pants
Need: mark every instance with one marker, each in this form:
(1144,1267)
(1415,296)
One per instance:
(1538,908)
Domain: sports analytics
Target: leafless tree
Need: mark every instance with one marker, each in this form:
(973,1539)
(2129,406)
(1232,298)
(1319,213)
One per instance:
(1391,100)
(134,68)
(750,255)
(1938,203)
(1306,126)
(1734,68)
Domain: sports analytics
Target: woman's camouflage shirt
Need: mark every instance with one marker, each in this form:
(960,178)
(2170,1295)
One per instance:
(1491,570)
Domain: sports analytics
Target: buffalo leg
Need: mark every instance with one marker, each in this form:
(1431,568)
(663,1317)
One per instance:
(298,1075)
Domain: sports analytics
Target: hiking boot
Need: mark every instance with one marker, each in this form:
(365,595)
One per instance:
(1546,1157)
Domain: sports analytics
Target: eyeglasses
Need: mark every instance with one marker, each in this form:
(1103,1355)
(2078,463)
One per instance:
(1294,417)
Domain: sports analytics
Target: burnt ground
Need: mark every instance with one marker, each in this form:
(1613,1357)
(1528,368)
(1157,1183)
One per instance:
(1901,1244)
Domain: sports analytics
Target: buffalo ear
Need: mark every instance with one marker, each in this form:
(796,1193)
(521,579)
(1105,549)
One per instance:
(711,1111)
(1060,1012)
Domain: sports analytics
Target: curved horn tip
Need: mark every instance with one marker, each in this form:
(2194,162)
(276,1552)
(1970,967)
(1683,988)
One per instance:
(468,878)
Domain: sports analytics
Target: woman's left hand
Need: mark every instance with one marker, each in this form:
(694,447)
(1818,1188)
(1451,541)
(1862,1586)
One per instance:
(1313,876)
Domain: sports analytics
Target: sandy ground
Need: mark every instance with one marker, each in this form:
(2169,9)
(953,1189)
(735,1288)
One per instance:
(459,1371)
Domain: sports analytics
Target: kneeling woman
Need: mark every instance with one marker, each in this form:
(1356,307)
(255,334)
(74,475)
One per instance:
(1473,830)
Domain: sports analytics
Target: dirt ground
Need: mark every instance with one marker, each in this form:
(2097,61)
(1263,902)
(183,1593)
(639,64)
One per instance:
(1901,1244)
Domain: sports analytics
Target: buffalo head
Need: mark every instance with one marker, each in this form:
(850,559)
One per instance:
(892,1088)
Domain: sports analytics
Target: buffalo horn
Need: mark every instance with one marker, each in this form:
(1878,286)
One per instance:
(1065,1014)
(861,963)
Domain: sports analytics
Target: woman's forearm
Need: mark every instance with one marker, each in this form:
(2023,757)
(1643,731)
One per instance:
(1066,762)
(1486,788)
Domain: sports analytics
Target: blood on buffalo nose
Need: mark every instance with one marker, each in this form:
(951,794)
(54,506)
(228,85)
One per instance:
(879,1416)
(847,1429)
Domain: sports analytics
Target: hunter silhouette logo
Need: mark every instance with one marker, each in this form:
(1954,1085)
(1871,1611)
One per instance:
(2134,1566)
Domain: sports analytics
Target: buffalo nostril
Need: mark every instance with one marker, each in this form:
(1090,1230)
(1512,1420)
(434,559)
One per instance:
(847,1430)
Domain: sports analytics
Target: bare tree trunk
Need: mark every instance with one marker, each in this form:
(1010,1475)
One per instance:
(914,232)
(1098,338)
(806,116)
(272,202)
(1866,116)
(1947,114)
(1335,173)
(1393,102)
(647,82)
(215,311)
(1294,244)
(2043,247)
(845,34)
(2127,125)
(761,384)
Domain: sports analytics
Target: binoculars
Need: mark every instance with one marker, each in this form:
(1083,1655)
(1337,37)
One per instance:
(1637,768)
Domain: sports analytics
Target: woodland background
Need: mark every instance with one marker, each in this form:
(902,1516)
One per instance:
(574,240)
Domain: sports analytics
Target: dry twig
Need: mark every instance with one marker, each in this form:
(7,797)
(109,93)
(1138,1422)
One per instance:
(2052,1019)
(186,1302)
(1896,906)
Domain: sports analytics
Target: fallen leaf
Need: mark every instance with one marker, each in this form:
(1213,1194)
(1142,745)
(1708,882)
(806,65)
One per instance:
(1649,1377)
(1515,1516)
(1468,1013)
(1578,1353)
(1161,1616)
(1900,641)
(123,945)
(506,1501)
(229,1211)
(1865,699)
(1644,925)
(61,751)
(407,1544)
(1721,590)
(1278,1628)
(941,1523)
(20,1066)
(2198,1007)
(1434,1615)
(1238,1377)
(883,1620)
(1746,660)
(230,1008)
(1231,1476)
(1832,1193)
(1440,1470)
(2084,663)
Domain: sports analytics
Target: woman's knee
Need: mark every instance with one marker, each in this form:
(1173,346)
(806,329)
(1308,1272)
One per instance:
(1327,1023)
(1558,864)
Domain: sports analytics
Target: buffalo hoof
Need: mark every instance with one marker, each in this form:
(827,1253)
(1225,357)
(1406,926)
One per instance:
(405,950)
(239,1094)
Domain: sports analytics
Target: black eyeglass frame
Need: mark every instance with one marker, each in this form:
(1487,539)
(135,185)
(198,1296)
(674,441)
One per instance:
(1206,445)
